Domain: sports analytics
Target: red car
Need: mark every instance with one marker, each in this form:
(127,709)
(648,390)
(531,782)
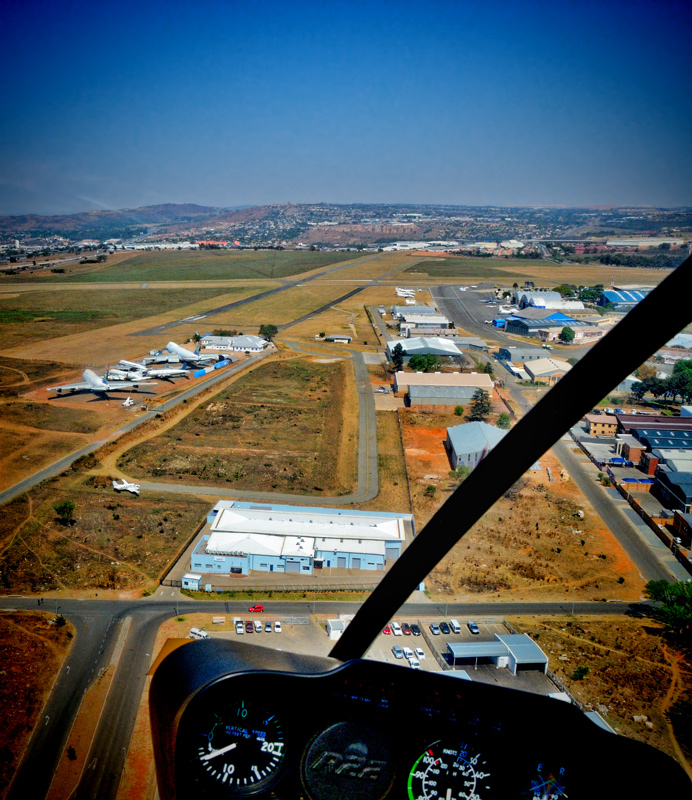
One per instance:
(386,630)
(256,607)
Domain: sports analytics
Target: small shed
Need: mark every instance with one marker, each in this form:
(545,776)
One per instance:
(341,338)
(191,580)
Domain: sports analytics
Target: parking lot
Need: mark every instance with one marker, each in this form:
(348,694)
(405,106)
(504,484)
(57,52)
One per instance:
(308,635)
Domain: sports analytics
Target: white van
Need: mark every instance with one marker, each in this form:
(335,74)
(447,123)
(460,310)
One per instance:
(196,633)
(454,625)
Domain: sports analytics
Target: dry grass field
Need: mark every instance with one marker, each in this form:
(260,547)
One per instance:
(186,265)
(393,494)
(505,271)
(114,542)
(32,651)
(44,314)
(288,426)
(532,545)
(633,668)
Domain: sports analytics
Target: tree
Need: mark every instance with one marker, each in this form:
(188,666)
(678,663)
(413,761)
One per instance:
(638,391)
(430,491)
(645,371)
(268,332)
(459,411)
(675,609)
(503,421)
(64,511)
(480,405)
(197,337)
(567,335)
(427,363)
(488,369)
(398,357)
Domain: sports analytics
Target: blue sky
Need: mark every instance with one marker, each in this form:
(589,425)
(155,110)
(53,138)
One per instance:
(121,104)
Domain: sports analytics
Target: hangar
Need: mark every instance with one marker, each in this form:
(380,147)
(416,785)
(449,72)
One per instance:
(246,536)
(516,651)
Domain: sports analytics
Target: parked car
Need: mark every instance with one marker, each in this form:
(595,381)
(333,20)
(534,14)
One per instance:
(249,627)
(267,627)
(239,628)
(419,653)
(434,629)
(405,628)
(396,628)
(408,653)
(471,625)
(258,626)
(445,628)
(256,607)
(414,663)
(387,630)
(277,627)
(415,630)
(398,652)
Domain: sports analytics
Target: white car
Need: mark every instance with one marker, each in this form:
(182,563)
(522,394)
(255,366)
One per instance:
(414,663)
(396,629)
(408,653)
(258,626)
(419,653)
(277,627)
(240,628)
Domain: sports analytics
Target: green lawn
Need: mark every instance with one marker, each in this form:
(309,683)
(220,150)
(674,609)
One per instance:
(209,265)
(477,269)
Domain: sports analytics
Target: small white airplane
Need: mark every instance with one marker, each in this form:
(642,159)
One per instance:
(126,487)
(134,369)
(188,357)
(129,402)
(93,383)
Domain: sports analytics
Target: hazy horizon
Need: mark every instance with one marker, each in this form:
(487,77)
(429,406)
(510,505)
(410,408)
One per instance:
(510,104)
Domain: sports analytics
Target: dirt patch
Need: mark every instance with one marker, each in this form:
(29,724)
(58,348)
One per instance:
(628,669)
(542,540)
(32,651)
(283,427)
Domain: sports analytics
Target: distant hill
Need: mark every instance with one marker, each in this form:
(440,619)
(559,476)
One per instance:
(104,224)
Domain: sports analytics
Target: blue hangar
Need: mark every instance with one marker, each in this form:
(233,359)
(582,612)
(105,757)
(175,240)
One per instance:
(297,539)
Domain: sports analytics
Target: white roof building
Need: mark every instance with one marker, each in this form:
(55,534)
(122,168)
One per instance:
(424,345)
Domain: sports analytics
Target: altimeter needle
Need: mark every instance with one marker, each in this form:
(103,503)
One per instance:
(220,752)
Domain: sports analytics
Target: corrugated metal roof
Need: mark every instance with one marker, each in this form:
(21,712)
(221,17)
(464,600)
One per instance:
(472,437)
(458,392)
(523,649)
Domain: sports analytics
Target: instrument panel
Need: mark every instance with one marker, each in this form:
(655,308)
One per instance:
(232,720)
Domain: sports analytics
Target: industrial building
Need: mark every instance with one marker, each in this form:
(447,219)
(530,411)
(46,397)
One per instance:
(517,652)
(621,299)
(424,345)
(439,398)
(239,344)
(478,380)
(547,370)
(247,536)
(520,355)
(468,444)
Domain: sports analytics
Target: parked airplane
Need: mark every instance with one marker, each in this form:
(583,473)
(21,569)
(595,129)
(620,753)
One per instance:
(129,402)
(196,358)
(126,487)
(93,383)
(134,369)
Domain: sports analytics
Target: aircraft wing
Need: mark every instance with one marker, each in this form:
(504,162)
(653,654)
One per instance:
(118,385)
(70,387)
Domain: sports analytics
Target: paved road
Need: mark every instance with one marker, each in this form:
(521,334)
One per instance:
(97,623)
